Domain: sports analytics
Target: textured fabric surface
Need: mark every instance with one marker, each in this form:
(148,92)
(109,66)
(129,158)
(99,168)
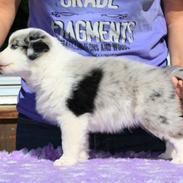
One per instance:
(37,166)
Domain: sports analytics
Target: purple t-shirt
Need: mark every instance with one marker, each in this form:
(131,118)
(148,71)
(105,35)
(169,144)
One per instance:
(134,29)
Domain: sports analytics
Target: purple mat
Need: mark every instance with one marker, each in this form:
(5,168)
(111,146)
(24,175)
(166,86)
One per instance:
(36,166)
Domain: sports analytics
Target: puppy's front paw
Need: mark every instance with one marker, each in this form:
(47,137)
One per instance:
(65,161)
(83,156)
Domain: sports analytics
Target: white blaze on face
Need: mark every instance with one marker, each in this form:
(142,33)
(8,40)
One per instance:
(30,52)
(13,62)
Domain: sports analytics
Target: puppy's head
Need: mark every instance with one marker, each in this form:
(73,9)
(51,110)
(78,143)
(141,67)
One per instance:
(25,48)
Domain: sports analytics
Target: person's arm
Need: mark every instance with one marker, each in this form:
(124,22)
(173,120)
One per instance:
(8,9)
(174,17)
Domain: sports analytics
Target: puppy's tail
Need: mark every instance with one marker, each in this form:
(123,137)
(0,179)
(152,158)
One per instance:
(174,71)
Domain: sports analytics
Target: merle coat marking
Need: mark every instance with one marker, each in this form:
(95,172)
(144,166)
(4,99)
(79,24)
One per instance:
(103,94)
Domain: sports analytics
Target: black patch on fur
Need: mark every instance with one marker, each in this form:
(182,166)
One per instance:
(125,67)
(117,82)
(180,134)
(163,120)
(155,95)
(181,70)
(173,95)
(83,96)
(40,46)
(35,36)
(152,70)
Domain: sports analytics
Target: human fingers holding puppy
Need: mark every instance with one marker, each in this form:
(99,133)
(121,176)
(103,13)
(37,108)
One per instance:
(178,83)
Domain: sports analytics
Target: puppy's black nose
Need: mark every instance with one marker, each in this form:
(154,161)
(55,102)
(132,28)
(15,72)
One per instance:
(32,57)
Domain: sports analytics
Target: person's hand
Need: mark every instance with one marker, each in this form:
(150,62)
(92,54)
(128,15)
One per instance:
(178,83)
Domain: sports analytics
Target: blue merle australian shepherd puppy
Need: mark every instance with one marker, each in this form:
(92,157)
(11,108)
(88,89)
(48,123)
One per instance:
(90,94)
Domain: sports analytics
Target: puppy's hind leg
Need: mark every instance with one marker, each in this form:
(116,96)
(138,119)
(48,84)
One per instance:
(168,126)
(74,139)
(171,130)
(178,144)
(162,117)
(169,151)
(173,133)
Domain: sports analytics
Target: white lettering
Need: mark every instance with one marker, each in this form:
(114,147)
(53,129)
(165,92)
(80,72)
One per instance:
(86,3)
(89,2)
(130,28)
(87,31)
(114,33)
(92,31)
(103,31)
(80,33)
(110,5)
(101,3)
(58,26)
(70,30)
(77,3)
(66,3)
(123,31)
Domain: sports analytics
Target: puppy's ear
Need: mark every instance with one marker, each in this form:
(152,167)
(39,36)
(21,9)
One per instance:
(38,44)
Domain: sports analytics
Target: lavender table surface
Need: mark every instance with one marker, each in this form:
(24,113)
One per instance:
(36,166)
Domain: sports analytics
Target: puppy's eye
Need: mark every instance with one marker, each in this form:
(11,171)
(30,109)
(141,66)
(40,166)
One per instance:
(14,46)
